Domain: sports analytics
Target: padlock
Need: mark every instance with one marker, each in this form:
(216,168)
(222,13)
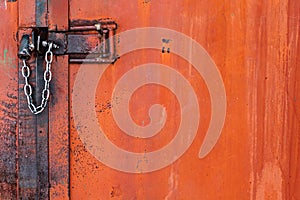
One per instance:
(25,48)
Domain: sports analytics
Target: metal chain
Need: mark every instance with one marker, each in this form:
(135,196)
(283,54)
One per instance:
(47,78)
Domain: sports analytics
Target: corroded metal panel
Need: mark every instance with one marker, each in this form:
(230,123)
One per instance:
(254,45)
(8,100)
(59,131)
(114,118)
(58,15)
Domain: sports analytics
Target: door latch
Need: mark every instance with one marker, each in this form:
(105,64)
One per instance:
(86,41)
(26,49)
(34,44)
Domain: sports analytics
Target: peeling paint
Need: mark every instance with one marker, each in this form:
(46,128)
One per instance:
(116,191)
(3,4)
(173,185)
(270,183)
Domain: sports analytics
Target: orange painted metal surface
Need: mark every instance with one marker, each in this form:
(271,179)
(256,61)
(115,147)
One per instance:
(250,43)
(8,100)
(59,132)
(255,46)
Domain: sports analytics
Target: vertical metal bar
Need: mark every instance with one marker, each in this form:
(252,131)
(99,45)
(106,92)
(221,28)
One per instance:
(33,130)
(42,131)
(104,45)
(33,140)
(41,10)
(111,44)
(42,119)
(27,145)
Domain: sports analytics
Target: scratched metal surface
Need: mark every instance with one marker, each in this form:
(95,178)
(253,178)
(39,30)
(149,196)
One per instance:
(8,100)
(255,45)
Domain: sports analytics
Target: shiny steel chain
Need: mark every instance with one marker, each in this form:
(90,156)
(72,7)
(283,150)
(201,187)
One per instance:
(47,78)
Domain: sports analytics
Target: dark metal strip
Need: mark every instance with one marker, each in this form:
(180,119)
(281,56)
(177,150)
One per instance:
(41,10)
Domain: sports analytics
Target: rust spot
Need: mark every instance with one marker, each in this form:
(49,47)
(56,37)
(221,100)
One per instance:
(146,1)
(81,22)
(8,124)
(116,191)
(166,45)
(270,183)
(101,108)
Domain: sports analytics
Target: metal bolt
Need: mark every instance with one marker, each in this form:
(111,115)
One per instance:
(98,26)
(31,47)
(55,46)
(45,44)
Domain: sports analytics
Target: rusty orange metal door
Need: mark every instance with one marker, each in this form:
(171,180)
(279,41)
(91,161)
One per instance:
(202,103)
(250,45)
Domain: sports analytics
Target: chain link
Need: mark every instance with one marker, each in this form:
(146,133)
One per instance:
(47,78)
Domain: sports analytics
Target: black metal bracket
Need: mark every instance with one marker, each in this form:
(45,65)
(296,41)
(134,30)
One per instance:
(86,41)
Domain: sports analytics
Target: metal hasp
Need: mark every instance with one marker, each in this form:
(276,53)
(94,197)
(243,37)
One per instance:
(31,43)
(88,41)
